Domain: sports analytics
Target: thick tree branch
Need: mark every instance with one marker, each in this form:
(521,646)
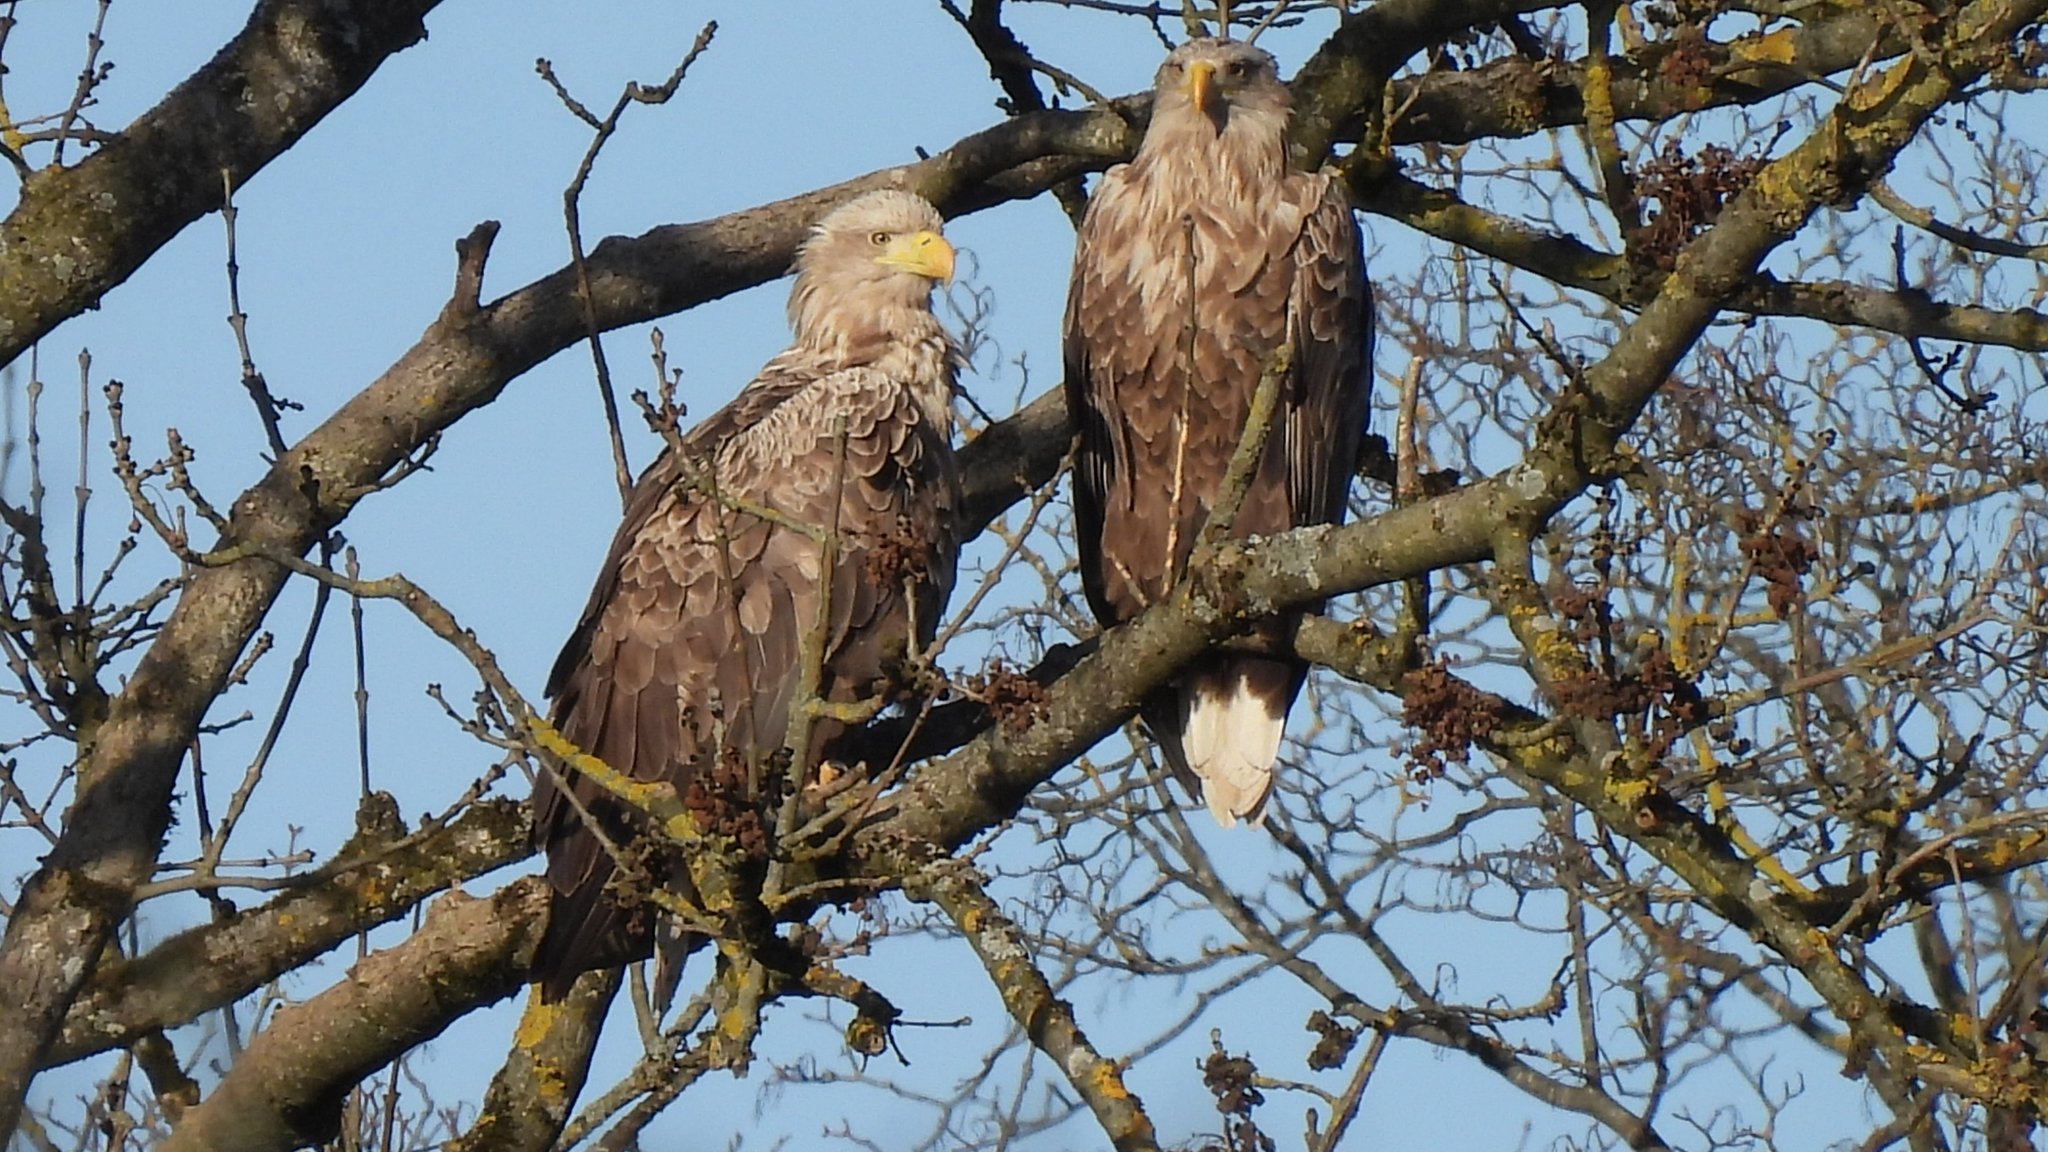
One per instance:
(1037,1009)
(472,351)
(1012,458)
(1902,312)
(1517,96)
(372,881)
(80,231)
(286,1090)
(980,786)
(1855,145)
(1573,263)
(528,1102)
(1337,92)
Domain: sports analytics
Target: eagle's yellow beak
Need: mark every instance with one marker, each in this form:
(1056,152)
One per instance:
(1202,86)
(925,253)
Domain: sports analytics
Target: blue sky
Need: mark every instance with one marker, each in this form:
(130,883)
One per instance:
(346,250)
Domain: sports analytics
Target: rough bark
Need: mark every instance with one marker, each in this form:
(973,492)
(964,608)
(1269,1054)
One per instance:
(1035,1006)
(287,1089)
(373,880)
(1517,96)
(529,1100)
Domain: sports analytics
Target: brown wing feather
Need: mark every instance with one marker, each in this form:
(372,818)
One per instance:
(1330,326)
(694,627)
(1098,301)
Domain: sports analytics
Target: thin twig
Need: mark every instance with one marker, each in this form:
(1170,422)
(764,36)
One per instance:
(813,645)
(362,696)
(267,405)
(89,78)
(1250,451)
(82,491)
(572,215)
(215,843)
(12,141)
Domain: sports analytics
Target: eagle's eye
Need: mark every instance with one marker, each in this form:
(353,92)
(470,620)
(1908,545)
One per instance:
(1239,68)
(878,239)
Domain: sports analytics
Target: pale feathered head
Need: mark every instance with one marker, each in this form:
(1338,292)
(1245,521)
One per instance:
(868,267)
(1211,89)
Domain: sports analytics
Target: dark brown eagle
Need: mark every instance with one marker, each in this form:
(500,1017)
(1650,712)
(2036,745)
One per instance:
(1195,262)
(690,644)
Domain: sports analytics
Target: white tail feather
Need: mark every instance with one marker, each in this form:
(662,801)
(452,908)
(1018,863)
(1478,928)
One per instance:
(1231,738)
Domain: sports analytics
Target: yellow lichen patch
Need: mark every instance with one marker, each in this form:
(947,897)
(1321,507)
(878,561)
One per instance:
(867,1036)
(1961,1030)
(539,1018)
(640,794)
(1779,47)
(1681,619)
(373,890)
(1555,651)
(1107,1081)
(1816,944)
(1557,751)
(682,829)
(1703,754)
(736,1024)
(9,134)
(1782,183)
(1545,640)
(2001,854)
(1880,88)
(550,1084)
(535,1021)
(1628,793)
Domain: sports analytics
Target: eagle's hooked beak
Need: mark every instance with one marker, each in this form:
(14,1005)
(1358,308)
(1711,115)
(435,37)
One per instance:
(1202,86)
(925,253)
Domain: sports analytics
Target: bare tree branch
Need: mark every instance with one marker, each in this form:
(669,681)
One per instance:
(286,1091)
(79,231)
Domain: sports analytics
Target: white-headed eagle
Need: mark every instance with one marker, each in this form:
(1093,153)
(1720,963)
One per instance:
(1195,262)
(690,645)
